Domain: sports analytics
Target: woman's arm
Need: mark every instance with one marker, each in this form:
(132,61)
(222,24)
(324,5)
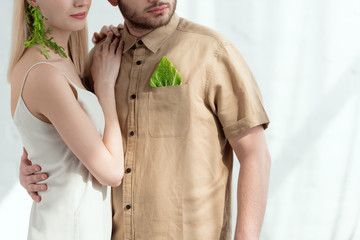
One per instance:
(54,98)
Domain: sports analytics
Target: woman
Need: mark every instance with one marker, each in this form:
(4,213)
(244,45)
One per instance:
(73,134)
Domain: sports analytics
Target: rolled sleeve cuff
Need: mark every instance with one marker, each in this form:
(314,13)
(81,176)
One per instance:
(245,124)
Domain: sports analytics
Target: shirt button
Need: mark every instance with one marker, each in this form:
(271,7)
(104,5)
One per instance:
(133,96)
(128,206)
(132,133)
(128,170)
(140,42)
(138,62)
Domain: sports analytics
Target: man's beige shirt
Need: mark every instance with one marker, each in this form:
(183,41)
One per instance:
(178,161)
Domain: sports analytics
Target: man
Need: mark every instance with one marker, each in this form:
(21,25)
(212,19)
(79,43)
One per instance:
(178,140)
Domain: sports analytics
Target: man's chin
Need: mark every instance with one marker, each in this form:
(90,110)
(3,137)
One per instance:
(154,23)
(151,22)
(161,20)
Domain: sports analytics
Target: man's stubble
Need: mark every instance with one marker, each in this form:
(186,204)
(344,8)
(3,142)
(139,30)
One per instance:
(139,21)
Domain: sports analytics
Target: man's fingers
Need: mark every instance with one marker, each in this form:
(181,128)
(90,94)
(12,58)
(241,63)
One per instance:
(35,178)
(24,160)
(29,180)
(36,188)
(25,154)
(34,196)
(29,170)
(120,26)
(27,162)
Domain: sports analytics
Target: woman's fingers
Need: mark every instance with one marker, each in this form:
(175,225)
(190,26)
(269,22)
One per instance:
(105,31)
(120,26)
(120,48)
(115,30)
(97,37)
(103,47)
(107,42)
(114,45)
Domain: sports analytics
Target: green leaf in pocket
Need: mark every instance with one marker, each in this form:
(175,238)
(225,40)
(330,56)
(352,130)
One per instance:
(165,74)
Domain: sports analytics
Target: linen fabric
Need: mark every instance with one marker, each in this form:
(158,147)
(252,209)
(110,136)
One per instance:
(178,162)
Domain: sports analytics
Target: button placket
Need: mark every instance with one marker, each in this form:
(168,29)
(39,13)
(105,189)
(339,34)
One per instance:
(139,54)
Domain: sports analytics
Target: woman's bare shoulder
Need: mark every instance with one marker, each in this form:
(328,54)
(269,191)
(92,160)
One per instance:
(39,80)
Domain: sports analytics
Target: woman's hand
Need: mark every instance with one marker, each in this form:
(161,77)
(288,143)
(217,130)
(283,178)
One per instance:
(105,30)
(106,63)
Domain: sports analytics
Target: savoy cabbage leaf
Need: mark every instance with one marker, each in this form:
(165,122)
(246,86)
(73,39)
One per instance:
(165,74)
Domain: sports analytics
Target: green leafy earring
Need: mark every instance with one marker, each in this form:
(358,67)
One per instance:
(38,34)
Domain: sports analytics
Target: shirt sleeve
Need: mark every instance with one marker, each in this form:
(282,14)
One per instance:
(233,94)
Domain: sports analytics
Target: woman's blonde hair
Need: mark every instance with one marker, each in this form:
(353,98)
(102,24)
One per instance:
(78,42)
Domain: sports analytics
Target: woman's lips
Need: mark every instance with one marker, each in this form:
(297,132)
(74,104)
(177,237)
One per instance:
(158,10)
(79,15)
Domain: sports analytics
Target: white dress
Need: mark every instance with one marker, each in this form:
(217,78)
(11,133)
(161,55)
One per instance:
(75,206)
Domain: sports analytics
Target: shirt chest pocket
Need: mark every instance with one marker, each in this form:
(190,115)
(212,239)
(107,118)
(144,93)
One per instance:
(169,111)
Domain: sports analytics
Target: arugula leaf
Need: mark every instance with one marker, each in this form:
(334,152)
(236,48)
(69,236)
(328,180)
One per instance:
(165,74)
(38,33)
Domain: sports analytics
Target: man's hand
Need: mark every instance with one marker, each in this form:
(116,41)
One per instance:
(105,30)
(29,176)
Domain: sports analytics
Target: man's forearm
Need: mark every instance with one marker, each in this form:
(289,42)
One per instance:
(251,196)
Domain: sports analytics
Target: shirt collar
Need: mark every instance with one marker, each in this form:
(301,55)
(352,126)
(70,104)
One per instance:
(154,39)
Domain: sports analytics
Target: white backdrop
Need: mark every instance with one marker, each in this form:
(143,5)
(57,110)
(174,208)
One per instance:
(305,55)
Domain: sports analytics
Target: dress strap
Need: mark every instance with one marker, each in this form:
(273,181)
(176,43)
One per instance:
(28,71)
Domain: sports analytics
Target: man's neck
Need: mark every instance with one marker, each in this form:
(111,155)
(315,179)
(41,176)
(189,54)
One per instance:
(137,32)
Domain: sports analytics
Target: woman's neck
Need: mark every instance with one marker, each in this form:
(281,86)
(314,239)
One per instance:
(61,38)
